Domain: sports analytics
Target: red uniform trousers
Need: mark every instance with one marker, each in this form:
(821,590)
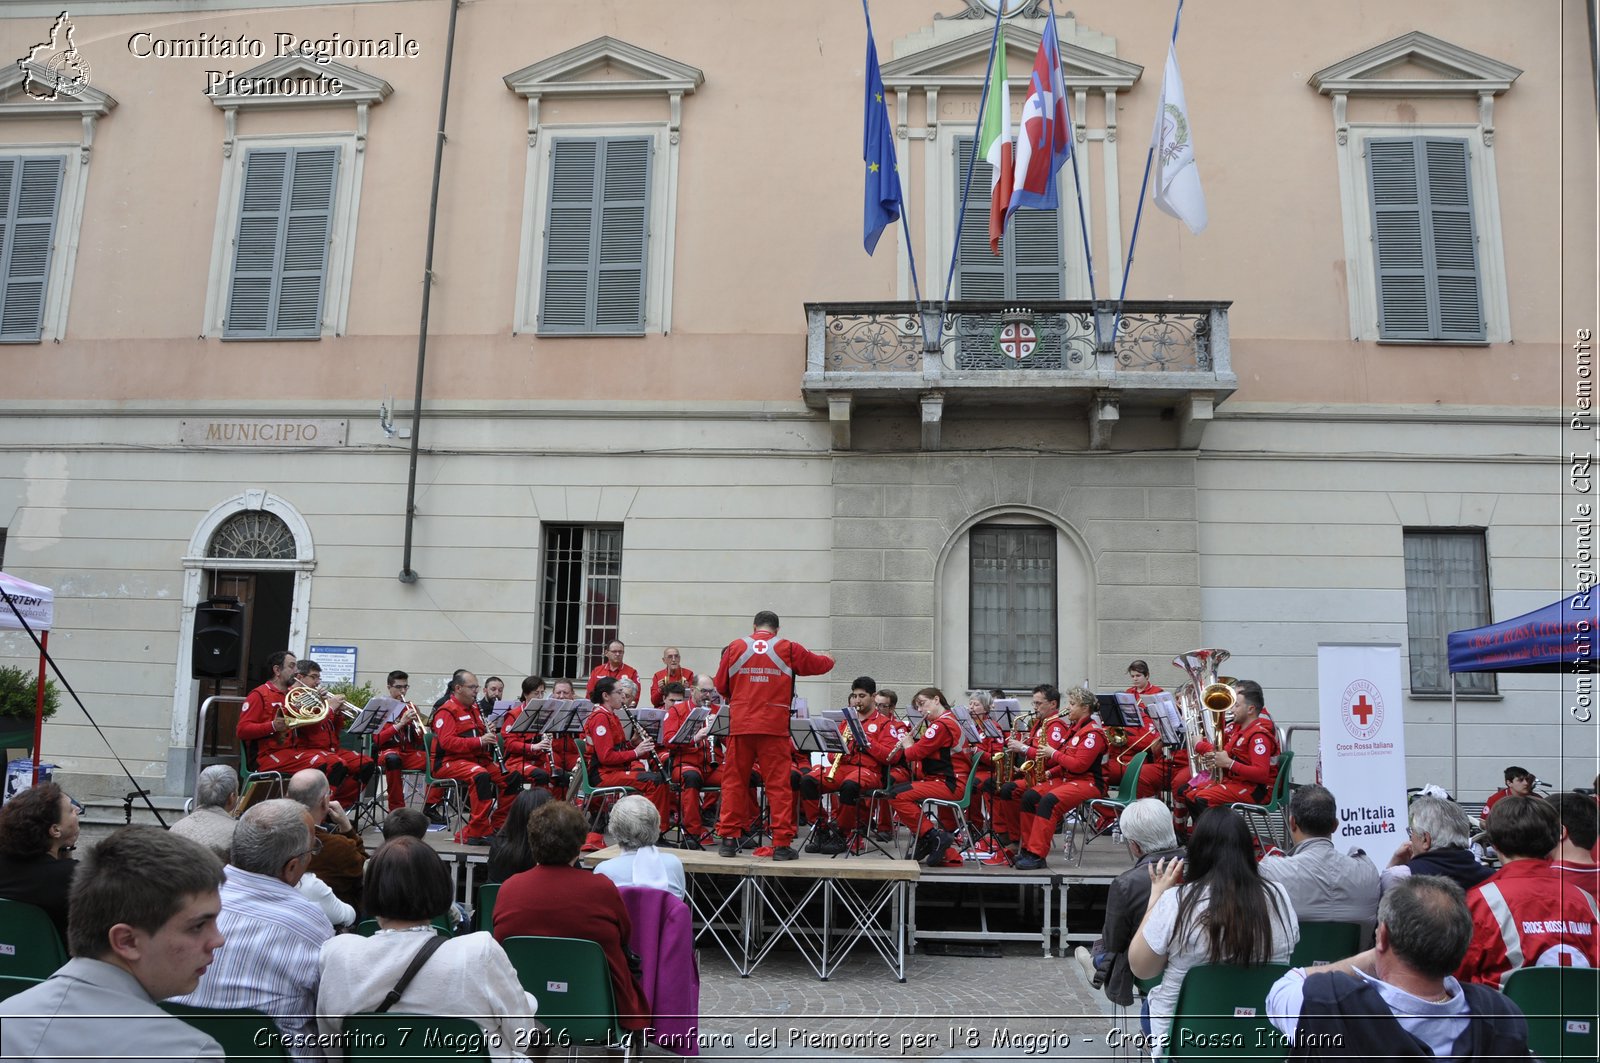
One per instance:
(1167,774)
(395,760)
(1006,809)
(908,797)
(1066,797)
(656,793)
(768,755)
(291,759)
(691,777)
(485,783)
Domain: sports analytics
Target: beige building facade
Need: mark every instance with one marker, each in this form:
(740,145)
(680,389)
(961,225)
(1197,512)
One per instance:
(664,387)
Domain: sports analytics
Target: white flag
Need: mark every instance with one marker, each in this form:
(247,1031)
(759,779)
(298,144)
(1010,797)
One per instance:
(1178,189)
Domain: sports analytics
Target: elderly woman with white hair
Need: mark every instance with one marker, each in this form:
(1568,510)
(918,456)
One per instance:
(635,825)
(1146,827)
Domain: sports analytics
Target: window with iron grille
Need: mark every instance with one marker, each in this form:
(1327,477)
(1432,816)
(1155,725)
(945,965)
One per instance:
(1447,589)
(580,597)
(1013,607)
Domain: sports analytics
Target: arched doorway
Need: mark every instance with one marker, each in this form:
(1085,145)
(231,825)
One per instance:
(256,548)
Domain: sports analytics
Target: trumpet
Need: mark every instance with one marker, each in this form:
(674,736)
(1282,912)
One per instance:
(410,717)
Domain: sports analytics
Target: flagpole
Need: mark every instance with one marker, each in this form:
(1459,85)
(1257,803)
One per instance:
(1077,179)
(972,165)
(911,256)
(1144,184)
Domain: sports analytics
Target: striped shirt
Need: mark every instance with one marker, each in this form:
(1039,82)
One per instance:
(270,956)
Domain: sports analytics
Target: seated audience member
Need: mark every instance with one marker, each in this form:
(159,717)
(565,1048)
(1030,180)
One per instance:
(144,925)
(1519,783)
(1525,914)
(1571,859)
(1399,999)
(1325,885)
(211,823)
(556,899)
(1226,913)
(1438,842)
(273,935)
(404,823)
(635,826)
(407,887)
(1147,829)
(37,827)
(509,852)
(341,859)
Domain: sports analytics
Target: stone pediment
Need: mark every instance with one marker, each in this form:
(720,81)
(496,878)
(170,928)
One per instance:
(605,66)
(298,81)
(81,100)
(962,62)
(1416,64)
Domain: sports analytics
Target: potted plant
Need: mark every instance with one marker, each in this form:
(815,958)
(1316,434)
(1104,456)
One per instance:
(19,692)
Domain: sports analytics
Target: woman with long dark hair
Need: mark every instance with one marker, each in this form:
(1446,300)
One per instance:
(1224,912)
(509,851)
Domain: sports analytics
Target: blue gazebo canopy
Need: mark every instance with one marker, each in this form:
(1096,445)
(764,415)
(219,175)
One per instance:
(1561,637)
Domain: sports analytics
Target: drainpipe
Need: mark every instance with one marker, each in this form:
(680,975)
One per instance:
(407,574)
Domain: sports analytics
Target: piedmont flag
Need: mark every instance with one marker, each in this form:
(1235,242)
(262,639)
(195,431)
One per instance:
(1177,179)
(883,201)
(1044,143)
(994,140)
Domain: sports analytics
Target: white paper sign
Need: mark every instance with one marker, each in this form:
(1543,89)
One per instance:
(338,663)
(1363,745)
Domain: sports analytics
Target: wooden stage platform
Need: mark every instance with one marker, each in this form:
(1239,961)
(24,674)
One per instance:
(828,906)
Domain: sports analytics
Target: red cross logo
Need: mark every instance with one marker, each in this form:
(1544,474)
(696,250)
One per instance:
(1017,340)
(760,645)
(1362,710)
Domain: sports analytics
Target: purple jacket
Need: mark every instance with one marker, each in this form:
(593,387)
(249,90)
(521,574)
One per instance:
(663,939)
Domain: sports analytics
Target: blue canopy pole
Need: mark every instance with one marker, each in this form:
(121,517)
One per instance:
(1144,184)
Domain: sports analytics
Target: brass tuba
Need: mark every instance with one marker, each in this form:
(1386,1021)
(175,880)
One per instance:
(1206,699)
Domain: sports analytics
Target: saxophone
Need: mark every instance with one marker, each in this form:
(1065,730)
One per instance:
(1004,768)
(839,760)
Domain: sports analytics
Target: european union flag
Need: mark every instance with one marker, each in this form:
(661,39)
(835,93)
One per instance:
(877,150)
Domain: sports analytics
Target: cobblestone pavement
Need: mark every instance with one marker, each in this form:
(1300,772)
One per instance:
(1017,1006)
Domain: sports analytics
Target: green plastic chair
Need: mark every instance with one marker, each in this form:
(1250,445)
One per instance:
(1127,792)
(1322,943)
(572,982)
(958,805)
(29,944)
(441,926)
(12,984)
(483,915)
(1563,1009)
(243,1033)
(1222,1014)
(397,1035)
(1270,822)
(454,791)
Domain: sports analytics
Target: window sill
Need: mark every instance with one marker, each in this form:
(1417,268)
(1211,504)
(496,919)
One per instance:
(269,339)
(1432,343)
(589,335)
(1463,696)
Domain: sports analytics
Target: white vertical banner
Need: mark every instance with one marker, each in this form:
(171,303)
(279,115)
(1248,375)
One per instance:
(1363,744)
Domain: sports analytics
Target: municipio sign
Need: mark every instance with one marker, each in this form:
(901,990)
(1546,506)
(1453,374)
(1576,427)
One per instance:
(268,432)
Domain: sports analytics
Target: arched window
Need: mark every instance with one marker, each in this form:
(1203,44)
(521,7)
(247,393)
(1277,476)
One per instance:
(253,535)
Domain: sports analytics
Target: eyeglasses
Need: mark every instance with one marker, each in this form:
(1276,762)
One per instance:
(316,847)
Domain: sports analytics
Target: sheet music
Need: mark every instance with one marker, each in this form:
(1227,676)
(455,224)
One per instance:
(828,733)
(691,724)
(500,710)
(969,727)
(390,707)
(1162,710)
(649,721)
(800,709)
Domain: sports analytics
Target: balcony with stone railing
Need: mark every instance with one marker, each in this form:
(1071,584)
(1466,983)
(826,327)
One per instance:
(1161,355)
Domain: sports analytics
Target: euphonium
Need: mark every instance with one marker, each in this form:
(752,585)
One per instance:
(1205,700)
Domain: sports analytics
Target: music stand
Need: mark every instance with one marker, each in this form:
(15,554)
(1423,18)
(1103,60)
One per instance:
(1119,710)
(366,725)
(1162,710)
(534,716)
(1008,709)
(649,721)
(969,726)
(691,725)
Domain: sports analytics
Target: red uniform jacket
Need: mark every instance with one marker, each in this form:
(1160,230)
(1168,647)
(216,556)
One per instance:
(688,754)
(936,751)
(407,738)
(1254,750)
(658,698)
(1079,749)
(604,671)
(521,744)
(263,705)
(611,746)
(1524,906)
(457,726)
(757,674)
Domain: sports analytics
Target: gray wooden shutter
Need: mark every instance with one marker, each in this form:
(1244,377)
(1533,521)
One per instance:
(597,236)
(280,258)
(1423,238)
(30,192)
(1030,261)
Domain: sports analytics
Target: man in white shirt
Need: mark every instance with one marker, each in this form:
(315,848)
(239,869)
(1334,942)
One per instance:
(143,926)
(274,934)
(1325,885)
(1399,995)
(310,788)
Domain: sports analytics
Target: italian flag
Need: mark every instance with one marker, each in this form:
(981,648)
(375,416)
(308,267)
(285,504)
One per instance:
(994,140)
